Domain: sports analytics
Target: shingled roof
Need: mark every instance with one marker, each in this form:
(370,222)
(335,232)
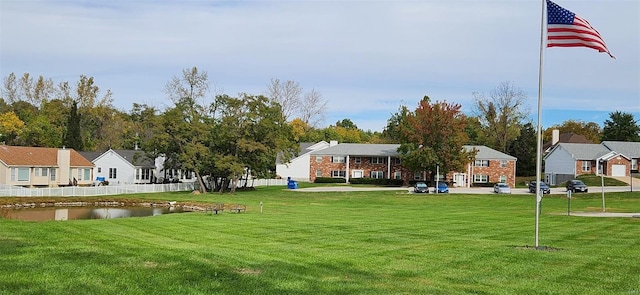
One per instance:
(379,150)
(38,156)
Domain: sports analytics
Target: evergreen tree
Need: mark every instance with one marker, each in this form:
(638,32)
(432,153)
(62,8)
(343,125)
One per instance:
(621,127)
(72,138)
(524,148)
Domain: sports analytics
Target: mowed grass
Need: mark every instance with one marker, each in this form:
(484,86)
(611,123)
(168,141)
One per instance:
(386,242)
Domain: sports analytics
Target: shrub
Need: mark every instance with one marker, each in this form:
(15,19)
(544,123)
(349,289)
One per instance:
(483,184)
(329,180)
(376,181)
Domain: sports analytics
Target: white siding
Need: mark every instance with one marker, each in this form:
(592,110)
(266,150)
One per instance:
(298,168)
(125,172)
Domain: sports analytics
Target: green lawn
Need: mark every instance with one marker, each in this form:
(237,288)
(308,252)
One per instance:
(386,242)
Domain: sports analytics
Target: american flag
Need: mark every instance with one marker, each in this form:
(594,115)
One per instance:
(566,29)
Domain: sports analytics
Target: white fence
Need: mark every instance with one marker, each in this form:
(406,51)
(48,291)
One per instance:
(89,191)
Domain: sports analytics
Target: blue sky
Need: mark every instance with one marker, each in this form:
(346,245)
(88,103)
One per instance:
(366,58)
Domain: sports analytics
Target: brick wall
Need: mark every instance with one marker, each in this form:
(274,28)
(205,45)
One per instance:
(592,167)
(495,170)
(617,161)
(325,166)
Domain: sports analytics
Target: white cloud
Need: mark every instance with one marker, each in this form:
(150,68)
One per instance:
(363,56)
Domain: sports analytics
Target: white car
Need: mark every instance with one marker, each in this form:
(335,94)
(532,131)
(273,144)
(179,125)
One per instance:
(501,188)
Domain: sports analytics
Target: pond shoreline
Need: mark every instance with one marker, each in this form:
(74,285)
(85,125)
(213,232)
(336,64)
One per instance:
(101,203)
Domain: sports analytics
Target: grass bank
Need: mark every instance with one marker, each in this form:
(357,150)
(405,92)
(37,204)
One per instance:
(385,242)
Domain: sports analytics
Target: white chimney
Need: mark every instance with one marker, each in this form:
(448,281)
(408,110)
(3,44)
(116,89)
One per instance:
(555,136)
(333,143)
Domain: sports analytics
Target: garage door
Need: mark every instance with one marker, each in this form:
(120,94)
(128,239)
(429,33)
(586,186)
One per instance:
(618,170)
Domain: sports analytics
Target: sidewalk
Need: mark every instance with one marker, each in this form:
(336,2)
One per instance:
(628,180)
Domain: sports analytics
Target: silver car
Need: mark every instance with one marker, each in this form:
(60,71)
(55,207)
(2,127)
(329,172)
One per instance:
(501,188)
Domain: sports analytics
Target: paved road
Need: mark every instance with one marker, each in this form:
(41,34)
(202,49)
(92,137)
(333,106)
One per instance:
(464,190)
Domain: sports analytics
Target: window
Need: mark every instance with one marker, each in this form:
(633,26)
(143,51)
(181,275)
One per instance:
(338,173)
(503,179)
(481,163)
(99,169)
(146,174)
(113,173)
(36,171)
(23,174)
(52,174)
(586,165)
(397,175)
(417,175)
(480,178)
(377,174)
(13,174)
(398,161)
(634,164)
(87,174)
(318,173)
(79,174)
(357,160)
(357,173)
(378,160)
(318,159)
(44,171)
(338,159)
(503,163)
(137,174)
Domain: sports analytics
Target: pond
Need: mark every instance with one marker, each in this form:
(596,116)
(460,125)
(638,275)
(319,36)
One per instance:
(56,213)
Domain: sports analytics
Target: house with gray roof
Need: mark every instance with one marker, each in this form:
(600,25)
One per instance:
(566,161)
(134,167)
(122,166)
(354,160)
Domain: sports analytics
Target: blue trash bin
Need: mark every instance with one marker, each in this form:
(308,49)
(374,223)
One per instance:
(291,184)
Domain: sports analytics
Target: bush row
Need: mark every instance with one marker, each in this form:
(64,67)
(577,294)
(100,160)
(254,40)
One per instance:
(377,181)
(372,181)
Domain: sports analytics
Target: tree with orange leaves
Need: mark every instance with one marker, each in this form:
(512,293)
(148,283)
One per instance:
(433,135)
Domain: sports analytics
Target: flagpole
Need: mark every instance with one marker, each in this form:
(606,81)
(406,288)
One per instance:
(539,135)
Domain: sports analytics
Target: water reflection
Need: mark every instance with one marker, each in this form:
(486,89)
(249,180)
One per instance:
(46,214)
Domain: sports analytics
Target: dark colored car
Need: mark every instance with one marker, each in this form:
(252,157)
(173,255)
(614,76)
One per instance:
(421,187)
(442,188)
(577,186)
(543,187)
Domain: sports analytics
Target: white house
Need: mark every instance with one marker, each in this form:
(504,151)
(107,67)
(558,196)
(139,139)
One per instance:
(122,166)
(133,167)
(298,167)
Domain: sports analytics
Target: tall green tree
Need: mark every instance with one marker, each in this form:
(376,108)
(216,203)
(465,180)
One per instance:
(501,114)
(432,136)
(187,126)
(73,138)
(621,126)
(391,133)
(524,148)
(251,131)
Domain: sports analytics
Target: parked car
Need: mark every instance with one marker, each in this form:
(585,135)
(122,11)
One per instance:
(442,188)
(421,187)
(543,187)
(501,188)
(577,186)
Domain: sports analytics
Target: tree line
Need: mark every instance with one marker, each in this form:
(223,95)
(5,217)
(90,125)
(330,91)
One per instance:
(229,136)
